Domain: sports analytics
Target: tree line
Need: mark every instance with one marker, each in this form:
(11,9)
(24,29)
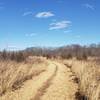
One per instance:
(66,52)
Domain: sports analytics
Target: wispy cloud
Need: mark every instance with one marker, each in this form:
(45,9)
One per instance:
(89,6)
(67,31)
(44,14)
(27,13)
(30,34)
(12,47)
(60,25)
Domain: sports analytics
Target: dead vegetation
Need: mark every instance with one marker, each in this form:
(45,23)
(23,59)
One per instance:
(88,75)
(13,74)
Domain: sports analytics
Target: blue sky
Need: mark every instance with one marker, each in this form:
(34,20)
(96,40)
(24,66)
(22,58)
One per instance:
(26,23)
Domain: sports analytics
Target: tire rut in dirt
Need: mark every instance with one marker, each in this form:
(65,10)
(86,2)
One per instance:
(45,86)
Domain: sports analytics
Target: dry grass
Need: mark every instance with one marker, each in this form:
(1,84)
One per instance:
(13,74)
(88,73)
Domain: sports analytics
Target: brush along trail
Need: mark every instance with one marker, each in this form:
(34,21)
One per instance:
(53,84)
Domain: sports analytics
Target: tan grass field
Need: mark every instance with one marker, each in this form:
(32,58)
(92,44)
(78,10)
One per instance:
(41,79)
(88,74)
(13,74)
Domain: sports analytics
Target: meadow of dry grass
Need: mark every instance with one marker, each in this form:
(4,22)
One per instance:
(25,81)
(13,74)
(59,80)
(88,75)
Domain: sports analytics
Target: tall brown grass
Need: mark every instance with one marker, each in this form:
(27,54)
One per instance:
(88,73)
(14,74)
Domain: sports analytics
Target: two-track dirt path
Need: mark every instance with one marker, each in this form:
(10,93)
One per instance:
(53,84)
(62,87)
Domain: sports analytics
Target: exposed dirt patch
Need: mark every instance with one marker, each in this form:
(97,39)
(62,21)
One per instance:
(43,89)
(18,84)
(79,96)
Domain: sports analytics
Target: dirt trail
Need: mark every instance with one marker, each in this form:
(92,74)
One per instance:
(53,84)
(62,87)
(42,90)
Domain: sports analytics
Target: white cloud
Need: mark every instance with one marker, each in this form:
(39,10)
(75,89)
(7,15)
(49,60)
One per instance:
(54,20)
(44,14)
(89,6)
(12,47)
(27,13)
(59,25)
(31,34)
(67,31)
